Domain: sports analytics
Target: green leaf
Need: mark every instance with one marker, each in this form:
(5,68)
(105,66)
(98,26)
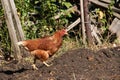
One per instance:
(53,0)
(37,2)
(67,4)
(69,15)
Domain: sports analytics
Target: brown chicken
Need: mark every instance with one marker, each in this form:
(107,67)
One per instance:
(43,48)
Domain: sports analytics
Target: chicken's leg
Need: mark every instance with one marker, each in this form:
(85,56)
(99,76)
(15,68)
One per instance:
(33,65)
(46,64)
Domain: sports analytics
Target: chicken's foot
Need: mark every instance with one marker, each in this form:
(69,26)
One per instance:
(46,64)
(34,67)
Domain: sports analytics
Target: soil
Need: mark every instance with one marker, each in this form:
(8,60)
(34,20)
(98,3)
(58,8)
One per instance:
(79,64)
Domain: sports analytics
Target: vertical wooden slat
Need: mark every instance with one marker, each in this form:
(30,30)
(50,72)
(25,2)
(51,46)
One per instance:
(87,23)
(17,24)
(17,21)
(82,21)
(11,29)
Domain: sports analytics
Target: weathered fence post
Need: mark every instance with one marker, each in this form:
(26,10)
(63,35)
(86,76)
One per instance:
(17,23)
(82,22)
(87,23)
(11,27)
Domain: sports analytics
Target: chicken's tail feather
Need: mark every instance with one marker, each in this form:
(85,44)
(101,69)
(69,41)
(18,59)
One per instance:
(21,43)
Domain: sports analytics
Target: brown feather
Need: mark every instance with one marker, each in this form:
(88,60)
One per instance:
(42,47)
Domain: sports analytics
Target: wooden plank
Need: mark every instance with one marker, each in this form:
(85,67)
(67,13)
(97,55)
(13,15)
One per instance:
(82,22)
(106,1)
(11,29)
(116,11)
(104,5)
(116,14)
(87,23)
(17,21)
(115,26)
(17,25)
(73,24)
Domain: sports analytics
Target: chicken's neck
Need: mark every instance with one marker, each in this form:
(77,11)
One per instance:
(57,36)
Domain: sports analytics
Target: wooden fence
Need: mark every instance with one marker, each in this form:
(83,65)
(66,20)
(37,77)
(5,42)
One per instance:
(13,25)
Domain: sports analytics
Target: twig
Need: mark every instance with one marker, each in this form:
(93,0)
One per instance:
(74,78)
(73,24)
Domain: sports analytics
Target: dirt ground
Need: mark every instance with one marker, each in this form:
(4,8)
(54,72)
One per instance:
(79,64)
